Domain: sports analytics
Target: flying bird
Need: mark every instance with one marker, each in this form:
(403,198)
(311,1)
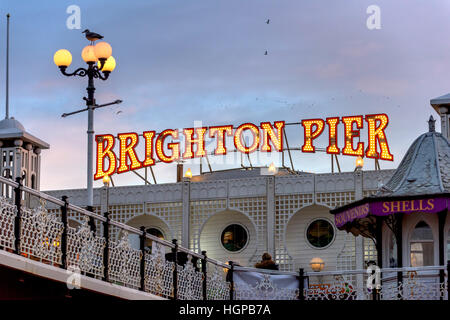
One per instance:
(120,111)
(268,21)
(265,53)
(92,36)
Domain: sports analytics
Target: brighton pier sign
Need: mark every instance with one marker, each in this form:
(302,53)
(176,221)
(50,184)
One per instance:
(266,137)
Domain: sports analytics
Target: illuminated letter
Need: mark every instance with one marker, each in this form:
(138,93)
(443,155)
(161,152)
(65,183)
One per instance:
(238,138)
(350,134)
(127,151)
(149,161)
(200,141)
(102,152)
(332,146)
(377,134)
(175,147)
(311,135)
(221,145)
(268,134)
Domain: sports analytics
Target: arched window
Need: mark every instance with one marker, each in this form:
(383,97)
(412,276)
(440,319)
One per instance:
(448,244)
(393,263)
(33,181)
(422,253)
(234,237)
(6,189)
(24,177)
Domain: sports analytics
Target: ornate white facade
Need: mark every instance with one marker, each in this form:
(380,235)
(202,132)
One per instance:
(274,210)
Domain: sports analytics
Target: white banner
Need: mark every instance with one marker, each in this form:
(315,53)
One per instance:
(251,285)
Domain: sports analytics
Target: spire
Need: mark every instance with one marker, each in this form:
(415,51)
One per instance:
(7,67)
(431,124)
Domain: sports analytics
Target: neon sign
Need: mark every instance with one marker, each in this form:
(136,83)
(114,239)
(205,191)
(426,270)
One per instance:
(266,137)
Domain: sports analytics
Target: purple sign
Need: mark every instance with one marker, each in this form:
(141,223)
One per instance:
(431,205)
(349,215)
(384,208)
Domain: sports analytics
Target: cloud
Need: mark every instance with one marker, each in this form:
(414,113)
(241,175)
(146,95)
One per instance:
(181,61)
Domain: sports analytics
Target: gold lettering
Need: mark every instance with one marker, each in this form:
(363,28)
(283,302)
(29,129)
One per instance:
(395,206)
(405,206)
(431,204)
(421,208)
(413,207)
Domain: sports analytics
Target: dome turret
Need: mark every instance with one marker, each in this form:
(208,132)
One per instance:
(425,168)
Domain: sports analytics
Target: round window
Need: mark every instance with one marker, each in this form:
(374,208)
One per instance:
(320,233)
(234,237)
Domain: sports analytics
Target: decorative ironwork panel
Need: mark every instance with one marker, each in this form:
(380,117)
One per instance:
(120,213)
(345,259)
(189,282)
(285,207)
(412,289)
(217,288)
(339,289)
(124,262)
(256,209)
(7,215)
(40,234)
(85,250)
(158,274)
(201,211)
(335,199)
(264,290)
(171,213)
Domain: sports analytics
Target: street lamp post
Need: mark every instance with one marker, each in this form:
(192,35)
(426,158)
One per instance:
(106,181)
(100,64)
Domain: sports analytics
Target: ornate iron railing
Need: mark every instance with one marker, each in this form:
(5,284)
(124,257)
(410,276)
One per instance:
(168,270)
(29,229)
(421,283)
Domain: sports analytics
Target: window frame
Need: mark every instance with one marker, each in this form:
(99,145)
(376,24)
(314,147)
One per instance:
(306,233)
(246,231)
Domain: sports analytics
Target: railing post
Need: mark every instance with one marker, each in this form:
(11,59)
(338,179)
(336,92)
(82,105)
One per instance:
(142,245)
(231,272)
(175,270)
(301,284)
(17,223)
(64,233)
(204,262)
(91,219)
(106,249)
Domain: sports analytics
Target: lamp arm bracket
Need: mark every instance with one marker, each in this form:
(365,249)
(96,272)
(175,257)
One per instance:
(78,72)
(102,75)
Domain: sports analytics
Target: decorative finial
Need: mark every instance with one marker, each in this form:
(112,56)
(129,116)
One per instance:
(431,124)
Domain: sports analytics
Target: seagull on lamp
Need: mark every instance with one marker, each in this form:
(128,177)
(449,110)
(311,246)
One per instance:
(92,36)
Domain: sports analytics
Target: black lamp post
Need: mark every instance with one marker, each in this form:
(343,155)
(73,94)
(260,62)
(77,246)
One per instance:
(100,64)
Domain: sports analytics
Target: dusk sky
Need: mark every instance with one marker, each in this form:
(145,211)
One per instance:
(203,60)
